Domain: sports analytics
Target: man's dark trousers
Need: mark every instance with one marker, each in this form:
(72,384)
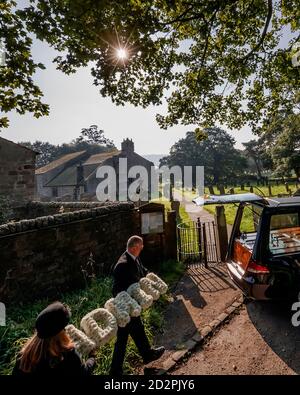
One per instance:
(126,272)
(135,329)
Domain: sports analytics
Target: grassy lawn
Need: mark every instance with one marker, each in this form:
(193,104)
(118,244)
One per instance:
(230,209)
(21,319)
(183,215)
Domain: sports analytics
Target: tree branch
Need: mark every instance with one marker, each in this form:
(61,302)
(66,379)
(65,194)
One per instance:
(264,33)
(179,17)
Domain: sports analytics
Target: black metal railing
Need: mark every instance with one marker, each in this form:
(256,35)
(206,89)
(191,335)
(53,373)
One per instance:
(197,242)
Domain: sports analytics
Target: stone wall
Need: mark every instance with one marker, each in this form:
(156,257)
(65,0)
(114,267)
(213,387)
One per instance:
(17,168)
(40,209)
(44,256)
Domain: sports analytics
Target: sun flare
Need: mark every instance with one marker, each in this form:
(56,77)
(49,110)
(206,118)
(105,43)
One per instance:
(122,53)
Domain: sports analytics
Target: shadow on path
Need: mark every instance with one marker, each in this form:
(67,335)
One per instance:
(273,321)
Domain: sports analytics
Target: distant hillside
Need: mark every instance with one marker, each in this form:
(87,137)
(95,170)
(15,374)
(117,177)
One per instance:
(154,158)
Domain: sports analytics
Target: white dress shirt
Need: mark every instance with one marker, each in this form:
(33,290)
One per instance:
(132,256)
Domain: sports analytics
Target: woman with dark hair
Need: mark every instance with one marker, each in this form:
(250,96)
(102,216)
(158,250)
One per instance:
(50,350)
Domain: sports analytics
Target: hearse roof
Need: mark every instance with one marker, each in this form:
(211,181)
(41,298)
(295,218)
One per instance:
(284,202)
(224,199)
(247,197)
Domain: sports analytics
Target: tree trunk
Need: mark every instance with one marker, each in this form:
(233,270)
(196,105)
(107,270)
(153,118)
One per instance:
(256,161)
(297,171)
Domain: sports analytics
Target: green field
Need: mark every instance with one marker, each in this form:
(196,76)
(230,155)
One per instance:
(230,209)
(183,215)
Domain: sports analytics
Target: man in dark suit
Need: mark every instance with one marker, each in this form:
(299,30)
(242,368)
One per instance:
(129,270)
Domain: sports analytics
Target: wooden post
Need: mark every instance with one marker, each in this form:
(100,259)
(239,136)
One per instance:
(175,205)
(222,235)
(171,236)
(251,189)
(171,193)
(286,186)
(221,189)
(211,189)
(270,190)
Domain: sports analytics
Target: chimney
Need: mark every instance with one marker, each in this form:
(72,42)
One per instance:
(79,174)
(127,146)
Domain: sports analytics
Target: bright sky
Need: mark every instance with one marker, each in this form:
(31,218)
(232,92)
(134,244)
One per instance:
(75,103)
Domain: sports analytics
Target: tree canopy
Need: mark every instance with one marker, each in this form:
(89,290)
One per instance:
(281,141)
(215,152)
(211,61)
(256,150)
(91,140)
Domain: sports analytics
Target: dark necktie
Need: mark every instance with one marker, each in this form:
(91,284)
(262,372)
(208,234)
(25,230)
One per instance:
(139,265)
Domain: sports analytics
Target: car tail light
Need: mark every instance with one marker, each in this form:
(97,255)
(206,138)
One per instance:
(254,267)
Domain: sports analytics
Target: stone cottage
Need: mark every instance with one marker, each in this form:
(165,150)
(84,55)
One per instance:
(74,176)
(66,165)
(17,168)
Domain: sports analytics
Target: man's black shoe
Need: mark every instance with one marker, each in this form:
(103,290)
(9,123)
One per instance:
(154,354)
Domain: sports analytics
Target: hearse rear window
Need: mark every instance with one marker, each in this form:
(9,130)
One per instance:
(284,233)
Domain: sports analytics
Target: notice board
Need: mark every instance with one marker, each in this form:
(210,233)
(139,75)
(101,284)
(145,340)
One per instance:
(152,222)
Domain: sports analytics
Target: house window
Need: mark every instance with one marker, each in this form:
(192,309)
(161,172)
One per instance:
(54,192)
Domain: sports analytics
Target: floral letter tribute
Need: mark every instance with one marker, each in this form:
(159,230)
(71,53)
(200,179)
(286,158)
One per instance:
(101,325)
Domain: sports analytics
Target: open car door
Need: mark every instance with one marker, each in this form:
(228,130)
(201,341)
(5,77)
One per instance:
(240,248)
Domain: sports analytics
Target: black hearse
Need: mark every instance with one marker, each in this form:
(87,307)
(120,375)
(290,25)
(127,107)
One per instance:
(263,257)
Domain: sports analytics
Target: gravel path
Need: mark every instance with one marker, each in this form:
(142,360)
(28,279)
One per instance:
(258,340)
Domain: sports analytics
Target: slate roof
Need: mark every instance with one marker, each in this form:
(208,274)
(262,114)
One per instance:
(58,162)
(99,158)
(68,177)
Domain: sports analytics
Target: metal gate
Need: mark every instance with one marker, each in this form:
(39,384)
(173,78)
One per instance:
(197,242)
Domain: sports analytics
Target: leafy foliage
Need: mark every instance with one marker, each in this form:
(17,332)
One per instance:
(281,140)
(213,61)
(215,152)
(17,89)
(91,140)
(255,150)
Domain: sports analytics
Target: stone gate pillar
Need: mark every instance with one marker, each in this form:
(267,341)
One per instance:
(222,235)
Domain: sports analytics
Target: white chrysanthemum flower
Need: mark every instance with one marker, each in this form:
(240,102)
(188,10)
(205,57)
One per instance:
(147,286)
(82,343)
(118,311)
(140,296)
(123,306)
(131,304)
(99,325)
(157,283)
